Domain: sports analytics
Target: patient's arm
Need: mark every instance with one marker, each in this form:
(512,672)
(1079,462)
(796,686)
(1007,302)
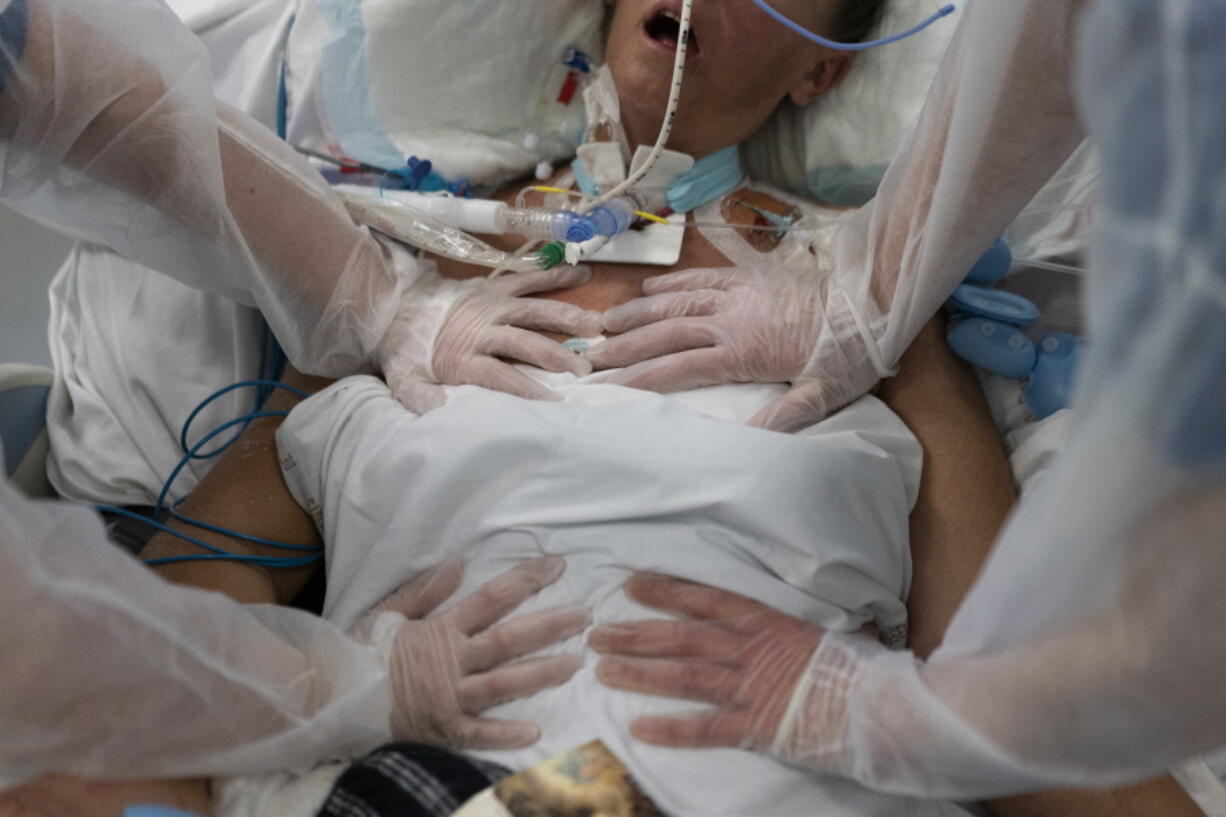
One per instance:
(966,491)
(966,488)
(245,492)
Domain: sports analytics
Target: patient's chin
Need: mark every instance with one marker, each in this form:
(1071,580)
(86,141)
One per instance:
(65,796)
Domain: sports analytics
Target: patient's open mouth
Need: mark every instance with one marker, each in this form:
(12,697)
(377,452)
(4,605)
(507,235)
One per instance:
(664,28)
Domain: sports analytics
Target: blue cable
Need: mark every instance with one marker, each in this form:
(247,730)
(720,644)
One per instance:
(246,537)
(264,387)
(190,455)
(271,384)
(944,11)
(215,552)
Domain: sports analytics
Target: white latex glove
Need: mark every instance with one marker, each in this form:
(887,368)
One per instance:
(464,332)
(446,669)
(742,657)
(703,327)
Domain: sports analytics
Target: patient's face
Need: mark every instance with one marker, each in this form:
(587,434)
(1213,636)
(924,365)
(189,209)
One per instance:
(740,65)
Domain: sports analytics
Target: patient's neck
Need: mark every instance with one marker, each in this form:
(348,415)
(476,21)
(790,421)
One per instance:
(644,130)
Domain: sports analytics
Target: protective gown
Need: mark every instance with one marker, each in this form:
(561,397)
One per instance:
(101,650)
(1087,651)
(108,127)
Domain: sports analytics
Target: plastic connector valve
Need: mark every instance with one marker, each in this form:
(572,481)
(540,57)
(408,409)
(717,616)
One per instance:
(612,218)
(551,255)
(574,228)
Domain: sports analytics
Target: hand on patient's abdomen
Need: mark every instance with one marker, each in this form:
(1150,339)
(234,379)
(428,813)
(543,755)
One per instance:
(447,669)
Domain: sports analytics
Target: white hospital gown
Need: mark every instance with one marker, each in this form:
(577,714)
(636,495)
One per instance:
(615,480)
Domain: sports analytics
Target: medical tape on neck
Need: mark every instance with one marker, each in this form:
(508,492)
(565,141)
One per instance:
(676,181)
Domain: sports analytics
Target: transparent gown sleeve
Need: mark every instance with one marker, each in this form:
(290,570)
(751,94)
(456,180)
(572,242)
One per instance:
(999,120)
(98,649)
(1088,651)
(109,130)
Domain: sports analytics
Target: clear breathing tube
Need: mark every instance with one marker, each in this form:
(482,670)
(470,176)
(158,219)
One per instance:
(440,224)
(670,113)
(416,227)
(543,224)
(488,216)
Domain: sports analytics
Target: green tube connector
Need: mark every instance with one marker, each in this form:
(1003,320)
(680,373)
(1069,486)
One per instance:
(551,255)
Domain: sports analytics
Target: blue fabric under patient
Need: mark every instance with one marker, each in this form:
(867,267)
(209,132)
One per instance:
(12,38)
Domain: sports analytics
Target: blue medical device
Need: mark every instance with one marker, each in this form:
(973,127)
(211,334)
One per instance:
(13,23)
(993,303)
(993,345)
(1051,380)
(992,265)
(156,811)
(986,329)
(944,11)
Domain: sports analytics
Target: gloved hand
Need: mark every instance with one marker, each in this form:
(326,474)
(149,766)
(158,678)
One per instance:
(703,327)
(459,332)
(448,668)
(741,656)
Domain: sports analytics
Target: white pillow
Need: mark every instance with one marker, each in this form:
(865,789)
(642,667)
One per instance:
(837,148)
(463,83)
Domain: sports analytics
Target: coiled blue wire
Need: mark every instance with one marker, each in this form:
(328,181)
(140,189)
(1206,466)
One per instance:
(944,11)
(264,388)
(216,554)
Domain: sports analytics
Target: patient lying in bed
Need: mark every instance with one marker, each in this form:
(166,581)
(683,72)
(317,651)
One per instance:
(617,480)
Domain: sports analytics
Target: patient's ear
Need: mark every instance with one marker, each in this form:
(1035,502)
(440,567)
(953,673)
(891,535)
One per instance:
(828,72)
